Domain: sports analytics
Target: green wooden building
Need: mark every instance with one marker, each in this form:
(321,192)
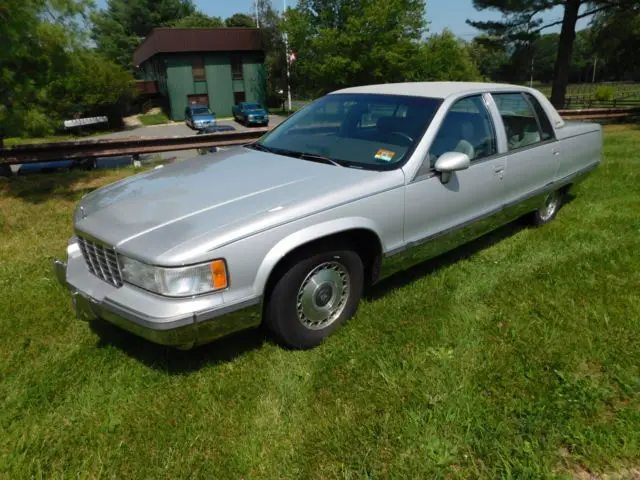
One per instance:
(217,67)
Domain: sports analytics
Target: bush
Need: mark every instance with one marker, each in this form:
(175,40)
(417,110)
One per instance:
(604,93)
(38,124)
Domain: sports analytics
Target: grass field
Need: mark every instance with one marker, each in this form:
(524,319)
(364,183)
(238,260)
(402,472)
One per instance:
(12,141)
(515,357)
(153,119)
(598,95)
(588,89)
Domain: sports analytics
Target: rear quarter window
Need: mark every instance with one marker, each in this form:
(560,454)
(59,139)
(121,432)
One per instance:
(545,124)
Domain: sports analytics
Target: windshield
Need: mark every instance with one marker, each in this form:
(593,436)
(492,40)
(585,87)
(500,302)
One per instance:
(252,106)
(201,111)
(371,131)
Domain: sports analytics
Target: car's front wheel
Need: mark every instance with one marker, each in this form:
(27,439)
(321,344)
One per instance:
(313,296)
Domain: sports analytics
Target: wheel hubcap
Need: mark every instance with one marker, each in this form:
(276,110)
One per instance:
(323,295)
(550,206)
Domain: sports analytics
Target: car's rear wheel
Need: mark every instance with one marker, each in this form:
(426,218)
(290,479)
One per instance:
(314,296)
(549,209)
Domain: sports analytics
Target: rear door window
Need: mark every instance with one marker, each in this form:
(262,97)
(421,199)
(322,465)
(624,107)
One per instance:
(520,122)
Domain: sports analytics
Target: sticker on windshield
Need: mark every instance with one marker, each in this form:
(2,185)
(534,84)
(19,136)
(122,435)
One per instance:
(385,155)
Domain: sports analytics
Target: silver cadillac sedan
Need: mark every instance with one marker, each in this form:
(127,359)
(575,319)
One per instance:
(290,229)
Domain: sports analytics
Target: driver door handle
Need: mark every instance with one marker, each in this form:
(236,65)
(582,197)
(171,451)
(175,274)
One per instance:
(499,171)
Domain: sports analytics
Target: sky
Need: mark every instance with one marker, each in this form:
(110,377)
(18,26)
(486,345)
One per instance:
(441,14)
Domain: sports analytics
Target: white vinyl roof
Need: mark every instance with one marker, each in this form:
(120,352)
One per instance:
(448,89)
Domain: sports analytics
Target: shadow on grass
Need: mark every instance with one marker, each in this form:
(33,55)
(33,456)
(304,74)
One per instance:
(172,360)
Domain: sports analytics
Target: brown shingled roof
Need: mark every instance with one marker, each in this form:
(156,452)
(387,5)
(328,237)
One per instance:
(171,40)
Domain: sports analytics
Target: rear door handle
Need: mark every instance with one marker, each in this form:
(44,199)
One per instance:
(499,171)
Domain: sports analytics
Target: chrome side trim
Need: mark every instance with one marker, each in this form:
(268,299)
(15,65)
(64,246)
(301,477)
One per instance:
(444,241)
(438,243)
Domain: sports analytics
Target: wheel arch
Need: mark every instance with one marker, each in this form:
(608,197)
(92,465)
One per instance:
(361,236)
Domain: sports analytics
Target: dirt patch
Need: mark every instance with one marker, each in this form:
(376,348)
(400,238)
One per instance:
(578,472)
(132,121)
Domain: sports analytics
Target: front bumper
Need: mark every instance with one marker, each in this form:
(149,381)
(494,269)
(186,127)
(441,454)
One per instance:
(184,332)
(258,121)
(203,125)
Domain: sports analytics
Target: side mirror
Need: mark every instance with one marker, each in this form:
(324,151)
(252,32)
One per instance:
(451,162)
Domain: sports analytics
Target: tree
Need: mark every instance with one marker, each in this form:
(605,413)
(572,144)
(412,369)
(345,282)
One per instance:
(120,28)
(272,34)
(198,20)
(240,20)
(340,43)
(490,58)
(42,56)
(616,35)
(444,57)
(522,24)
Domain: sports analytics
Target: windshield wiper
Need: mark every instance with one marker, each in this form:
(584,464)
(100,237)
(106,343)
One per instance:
(321,158)
(257,146)
(316,157)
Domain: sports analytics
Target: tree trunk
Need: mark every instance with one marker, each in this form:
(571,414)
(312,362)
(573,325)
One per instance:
(565,49)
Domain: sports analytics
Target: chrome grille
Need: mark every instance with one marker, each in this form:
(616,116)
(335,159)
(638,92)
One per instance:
(102,261)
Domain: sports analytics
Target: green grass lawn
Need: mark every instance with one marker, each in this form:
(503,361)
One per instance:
(515,357)
(12,141)
(153,119)
(588,90)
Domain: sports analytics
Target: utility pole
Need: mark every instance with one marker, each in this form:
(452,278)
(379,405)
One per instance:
(257,22)
(531,80)
(287,58)
(595,63)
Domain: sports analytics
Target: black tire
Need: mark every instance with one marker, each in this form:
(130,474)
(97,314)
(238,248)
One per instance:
(281,313)
(5,170)
(549,209)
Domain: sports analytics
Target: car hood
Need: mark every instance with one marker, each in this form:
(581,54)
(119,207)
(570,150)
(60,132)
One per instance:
(203,118)
(166,215)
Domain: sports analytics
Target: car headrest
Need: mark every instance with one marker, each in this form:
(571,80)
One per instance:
(390,124)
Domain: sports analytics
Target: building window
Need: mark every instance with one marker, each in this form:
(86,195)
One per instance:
(198,69)
(236,69)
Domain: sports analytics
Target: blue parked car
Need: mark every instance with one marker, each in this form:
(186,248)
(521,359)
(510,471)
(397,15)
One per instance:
(199,117)
(250,113)
(43,167)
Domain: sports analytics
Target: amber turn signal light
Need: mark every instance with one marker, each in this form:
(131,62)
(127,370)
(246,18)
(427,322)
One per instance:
(218,274)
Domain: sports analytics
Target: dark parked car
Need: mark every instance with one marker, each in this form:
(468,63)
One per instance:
(250,113)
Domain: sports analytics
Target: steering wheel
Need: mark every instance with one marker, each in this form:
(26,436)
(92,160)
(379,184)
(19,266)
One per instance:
(403,135)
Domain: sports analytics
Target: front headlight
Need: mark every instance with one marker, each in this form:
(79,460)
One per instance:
(176,282)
